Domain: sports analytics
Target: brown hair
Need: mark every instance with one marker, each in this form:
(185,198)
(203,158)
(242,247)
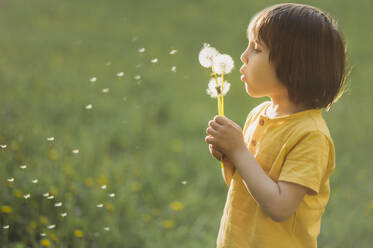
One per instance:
(307,50)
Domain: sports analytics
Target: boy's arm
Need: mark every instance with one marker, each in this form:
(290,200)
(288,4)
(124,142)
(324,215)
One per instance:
(228,172)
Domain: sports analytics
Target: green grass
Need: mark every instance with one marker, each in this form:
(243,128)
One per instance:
(144,146)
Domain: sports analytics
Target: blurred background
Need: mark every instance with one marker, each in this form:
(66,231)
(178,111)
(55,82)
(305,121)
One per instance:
(103,117)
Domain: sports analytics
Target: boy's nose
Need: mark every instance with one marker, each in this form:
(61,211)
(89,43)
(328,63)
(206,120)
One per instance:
(244,57)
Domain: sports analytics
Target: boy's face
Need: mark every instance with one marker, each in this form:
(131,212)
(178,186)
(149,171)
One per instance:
(258,74)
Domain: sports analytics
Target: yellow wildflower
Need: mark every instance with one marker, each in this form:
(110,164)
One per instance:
(88,182)
(45,242)
(52,154)
(176,206)
(168,224)
(17,193)
(53,190)
(136,186)
(6,209)
(43,220)
(146,217)
(78,233)
(14,145)
(101,180)
(53,236)
(110,207)
(68,168)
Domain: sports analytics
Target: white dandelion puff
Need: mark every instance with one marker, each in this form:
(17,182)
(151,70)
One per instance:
(51,226)
(155,60)
(11,179)
(137,77)
(108,63)
(100,205)
(215,89)
(223,63)
(64,214)
(106,90)
(3,146)
(93,79)
(35,181)
(89,106)
(50,138)
(206,55)
(173,68)
(120,74)
(75,151)
(184,182)
(141,50)
(50,197)
(6,227)
(27,196)
(23,166)
(43,234)
(58,204)
(107,228)
(103,187)
(46,194)
(112,195)
(173,51)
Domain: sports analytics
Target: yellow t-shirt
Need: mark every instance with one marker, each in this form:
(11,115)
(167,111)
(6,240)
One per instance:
(295,148)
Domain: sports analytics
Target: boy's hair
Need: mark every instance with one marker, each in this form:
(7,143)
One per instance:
(307,50)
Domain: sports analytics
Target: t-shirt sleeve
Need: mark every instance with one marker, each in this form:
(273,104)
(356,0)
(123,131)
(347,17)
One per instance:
(307,162)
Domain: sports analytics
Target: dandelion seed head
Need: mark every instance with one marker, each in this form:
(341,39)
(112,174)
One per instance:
(103,187)
(23,166)
(112,195)
(75,151)
(141,50)
(43,234)
(27,196)
(120,74)
(50,138)
(214,90)
(173,51)
(6,227)
(35,180)
(89,106)
(155,60)
(58,204)
(223,63)
(206,55)
(50,197)
(107,228)
(93,79)
(184,182)
(11,179)
(46,194)
(173,68)
(64,214)
(3,146)
(100,205)
(106,90)
(137,77)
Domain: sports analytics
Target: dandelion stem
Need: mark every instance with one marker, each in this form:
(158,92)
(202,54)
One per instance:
(220,104)
(222,95)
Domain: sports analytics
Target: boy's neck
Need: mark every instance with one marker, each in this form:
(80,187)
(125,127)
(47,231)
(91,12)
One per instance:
(281,106)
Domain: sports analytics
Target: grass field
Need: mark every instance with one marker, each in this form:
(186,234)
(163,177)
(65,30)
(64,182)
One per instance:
(134,170)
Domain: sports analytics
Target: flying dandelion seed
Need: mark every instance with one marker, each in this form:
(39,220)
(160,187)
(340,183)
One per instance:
(35,181)
(137,77)
(173,51)
(89,106)
(184,182)
(135,38)
(58,204)
(43,234)
(3,146)
(6,227)
(173,68)
(107,228)
(108,63)
(27,196)
(138,65)
(96,234)
(112,195)
(93,79)
(11,179)
(155,60)
(23,166)
(50,138)
(100,205)
(106,90)
(64,214)
(46,194)
(103,187)
(51,226)
(141,50)
(120,74)
(125,98)
(75,151)
(50,197)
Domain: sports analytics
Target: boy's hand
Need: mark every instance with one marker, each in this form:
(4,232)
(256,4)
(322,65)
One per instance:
(218,155)
(225,135)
